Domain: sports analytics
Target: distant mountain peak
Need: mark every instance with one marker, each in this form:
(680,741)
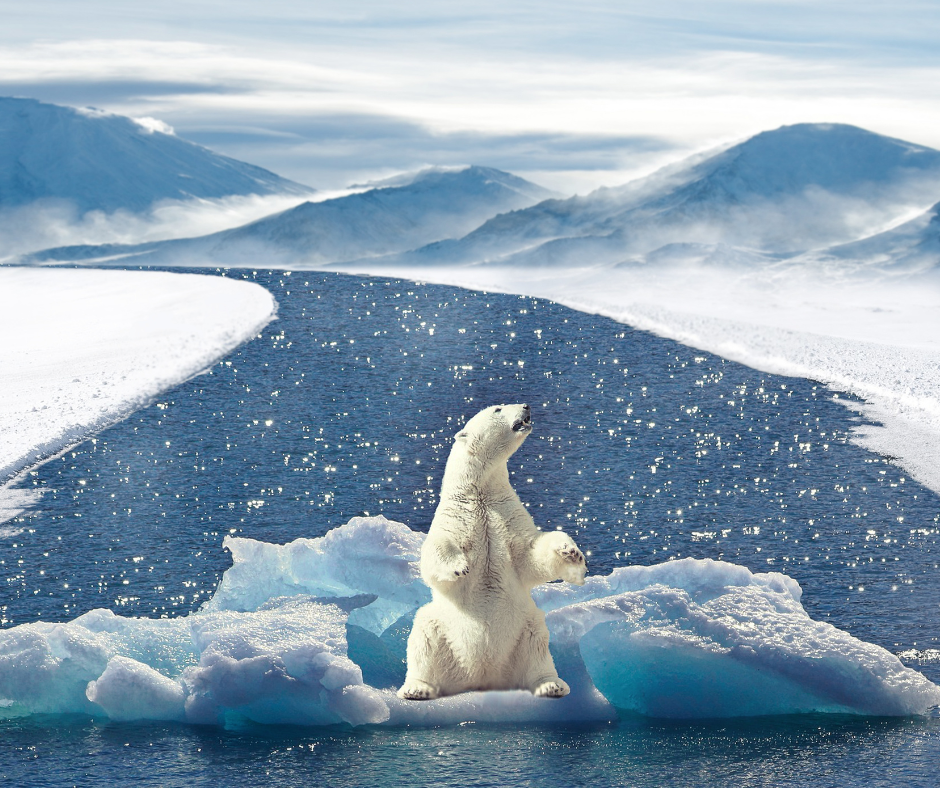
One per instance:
(99,160)
(832,156)
(461,174)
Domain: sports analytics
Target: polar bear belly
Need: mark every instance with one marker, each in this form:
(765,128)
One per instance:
(487,613)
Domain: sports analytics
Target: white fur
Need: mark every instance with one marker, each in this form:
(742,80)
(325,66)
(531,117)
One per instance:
(482,558)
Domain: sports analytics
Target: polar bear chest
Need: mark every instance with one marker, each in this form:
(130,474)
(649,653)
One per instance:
(490,548)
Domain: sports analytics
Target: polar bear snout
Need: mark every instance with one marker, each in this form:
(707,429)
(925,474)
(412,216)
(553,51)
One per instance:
(524,420)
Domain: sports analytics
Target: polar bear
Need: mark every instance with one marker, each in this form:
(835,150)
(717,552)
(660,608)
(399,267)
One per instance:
(482,558)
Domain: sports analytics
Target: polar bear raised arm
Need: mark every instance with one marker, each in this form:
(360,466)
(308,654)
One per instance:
(555,556)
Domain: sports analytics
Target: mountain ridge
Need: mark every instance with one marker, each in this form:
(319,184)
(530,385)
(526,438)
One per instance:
(97,160)
(433,204)
(792,192)
(818,184)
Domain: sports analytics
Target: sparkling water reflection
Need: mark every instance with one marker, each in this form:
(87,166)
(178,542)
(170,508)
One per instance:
(786,751)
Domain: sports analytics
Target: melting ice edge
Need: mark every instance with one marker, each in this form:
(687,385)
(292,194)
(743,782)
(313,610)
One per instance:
(313,632)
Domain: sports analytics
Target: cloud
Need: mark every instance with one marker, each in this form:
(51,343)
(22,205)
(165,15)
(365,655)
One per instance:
(52,223)
(93,92)
(333,151)
(527,77)
(596,30)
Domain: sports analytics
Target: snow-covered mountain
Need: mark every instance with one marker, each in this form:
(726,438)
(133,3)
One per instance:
(430,205)
(799,187)
(912,247)
(101,161)
(792,193)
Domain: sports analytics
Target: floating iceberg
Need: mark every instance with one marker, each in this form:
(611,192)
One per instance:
(314,632)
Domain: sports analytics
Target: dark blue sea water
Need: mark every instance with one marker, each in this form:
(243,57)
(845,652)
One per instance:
(784,751)
(644,449)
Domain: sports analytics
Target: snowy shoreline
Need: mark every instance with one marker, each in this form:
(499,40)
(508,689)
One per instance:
(85,348)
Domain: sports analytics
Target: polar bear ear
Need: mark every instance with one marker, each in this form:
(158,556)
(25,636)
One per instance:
(464,437)
(470,445)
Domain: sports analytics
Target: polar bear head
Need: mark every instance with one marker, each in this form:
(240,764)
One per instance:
(489,439)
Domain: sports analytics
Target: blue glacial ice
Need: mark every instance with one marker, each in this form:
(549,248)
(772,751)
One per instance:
(313,633)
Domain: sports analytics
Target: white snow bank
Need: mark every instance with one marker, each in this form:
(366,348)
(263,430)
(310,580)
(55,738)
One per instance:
(870,334)
(683,639)
(899,385)
(83,348)
(875,339)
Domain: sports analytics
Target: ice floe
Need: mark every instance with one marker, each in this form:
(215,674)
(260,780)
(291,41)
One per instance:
(290,638)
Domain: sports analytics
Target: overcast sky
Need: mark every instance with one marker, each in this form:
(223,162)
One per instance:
(572,95)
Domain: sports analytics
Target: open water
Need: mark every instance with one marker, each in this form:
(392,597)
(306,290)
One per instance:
(644,449)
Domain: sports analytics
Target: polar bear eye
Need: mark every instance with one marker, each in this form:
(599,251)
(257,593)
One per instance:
(497,410)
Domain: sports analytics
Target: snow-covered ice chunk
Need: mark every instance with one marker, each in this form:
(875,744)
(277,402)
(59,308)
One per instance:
(284,663)
(131,690)
(46,668)
(746,649)
(278,644)
(368,555)
(702,578)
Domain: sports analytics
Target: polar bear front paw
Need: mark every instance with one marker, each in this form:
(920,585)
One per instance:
(450,571)
(415,689)
(453,570)
(574,567)
(570,553)
(551,688)
(561,558)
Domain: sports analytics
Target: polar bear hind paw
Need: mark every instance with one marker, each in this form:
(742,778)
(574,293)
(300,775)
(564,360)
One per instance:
(551,688)
(415,689)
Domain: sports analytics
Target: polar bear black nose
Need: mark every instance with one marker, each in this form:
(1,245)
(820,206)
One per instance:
(525,408)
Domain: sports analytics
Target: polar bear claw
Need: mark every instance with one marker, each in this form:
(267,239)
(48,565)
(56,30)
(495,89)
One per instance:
(572,554)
